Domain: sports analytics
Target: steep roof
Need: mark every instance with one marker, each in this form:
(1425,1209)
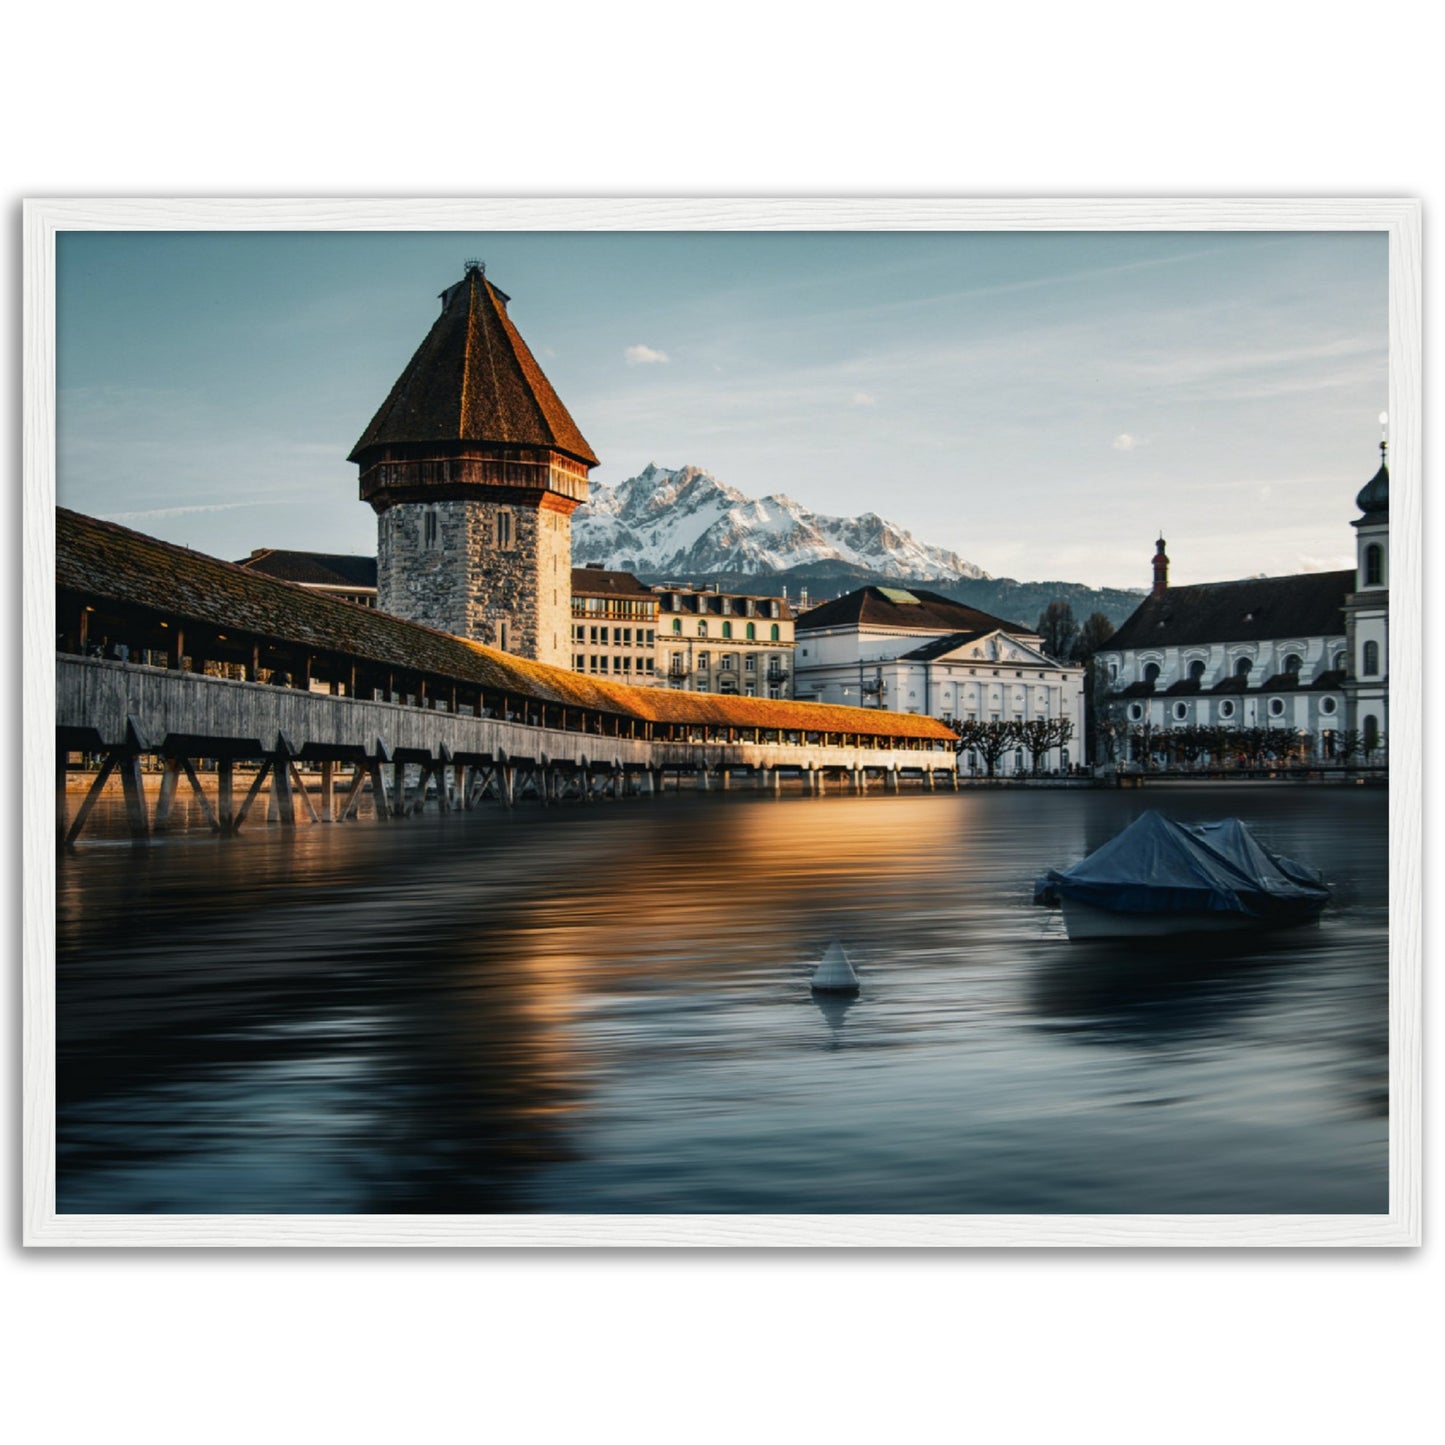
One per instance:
(318,569)
(95,559)
(599,582)
(1253,610)
(474,380)
(908,610)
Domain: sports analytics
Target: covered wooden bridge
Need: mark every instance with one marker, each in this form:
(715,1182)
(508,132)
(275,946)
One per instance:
(167,654)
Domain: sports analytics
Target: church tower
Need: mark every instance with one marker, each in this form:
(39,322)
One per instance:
(474,469)
(1367,613)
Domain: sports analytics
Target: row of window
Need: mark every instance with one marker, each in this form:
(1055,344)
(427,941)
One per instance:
(643,607)
(1292,666)
(615,636)
(727,661)
(1226,709)
(613,666)
(749,606)
(750,632)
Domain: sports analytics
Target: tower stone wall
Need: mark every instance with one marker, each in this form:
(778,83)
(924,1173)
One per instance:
(498,572)
(474,469)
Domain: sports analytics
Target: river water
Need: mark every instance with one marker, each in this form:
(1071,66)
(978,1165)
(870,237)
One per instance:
(606,1009)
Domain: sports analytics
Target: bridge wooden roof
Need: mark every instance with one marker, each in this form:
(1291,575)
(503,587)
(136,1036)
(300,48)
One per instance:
(101,561)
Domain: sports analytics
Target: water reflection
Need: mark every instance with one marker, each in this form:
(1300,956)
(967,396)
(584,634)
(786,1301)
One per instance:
(608,1010)
(834,1008)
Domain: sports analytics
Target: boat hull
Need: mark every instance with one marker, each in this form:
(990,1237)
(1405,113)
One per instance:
(1082,920)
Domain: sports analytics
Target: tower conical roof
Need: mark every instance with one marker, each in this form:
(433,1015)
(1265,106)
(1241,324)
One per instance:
(474,380)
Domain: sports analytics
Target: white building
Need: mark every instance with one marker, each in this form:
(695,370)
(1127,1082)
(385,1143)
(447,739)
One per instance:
(919,652)
(1305,653)
(731,643)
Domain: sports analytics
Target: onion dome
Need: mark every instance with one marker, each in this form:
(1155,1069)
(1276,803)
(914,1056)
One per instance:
(1374,498)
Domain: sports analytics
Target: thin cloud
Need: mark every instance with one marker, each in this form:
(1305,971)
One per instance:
(645,356)
(1124,442)
(863,398)
(153,513)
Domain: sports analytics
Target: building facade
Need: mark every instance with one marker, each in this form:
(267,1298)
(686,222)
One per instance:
(731,643)
(1305,655)
(474,468)
(919,652)
(614,626)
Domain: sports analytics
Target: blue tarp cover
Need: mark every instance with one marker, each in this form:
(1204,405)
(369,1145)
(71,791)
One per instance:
(1157,865)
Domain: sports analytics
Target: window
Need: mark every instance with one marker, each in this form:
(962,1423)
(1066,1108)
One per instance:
(676,626)
(773,634)
(752,632)
(504,634)
(1181,711)
(505,536)
(1327,706)
(1136,712)
(1370,663)
(1374,565)
(1292,664)
(429,528)
(702,629)
(1196,671)
(1372,733)
(1241,668)
(727,629)
(1226,709)
(704,661)
(1276,707)
(1151,672)
(750,662)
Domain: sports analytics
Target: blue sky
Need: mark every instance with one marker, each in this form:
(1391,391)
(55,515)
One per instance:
(1042,404)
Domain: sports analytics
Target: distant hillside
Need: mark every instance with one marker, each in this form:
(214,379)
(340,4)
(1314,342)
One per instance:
(1014,601)
(1024,601)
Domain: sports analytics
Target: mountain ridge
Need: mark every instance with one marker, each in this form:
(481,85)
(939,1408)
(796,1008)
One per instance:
(686,526)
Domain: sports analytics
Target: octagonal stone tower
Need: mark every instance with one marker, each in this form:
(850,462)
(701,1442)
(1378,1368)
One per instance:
(474,469)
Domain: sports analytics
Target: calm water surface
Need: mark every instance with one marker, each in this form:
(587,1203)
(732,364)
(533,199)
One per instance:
(607,1010)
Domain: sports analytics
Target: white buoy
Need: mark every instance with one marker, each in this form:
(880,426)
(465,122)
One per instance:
(835,974)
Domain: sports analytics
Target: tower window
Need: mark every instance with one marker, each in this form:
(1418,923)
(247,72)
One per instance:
(1370,661)
(429,528)
(1374,565)
(505,533)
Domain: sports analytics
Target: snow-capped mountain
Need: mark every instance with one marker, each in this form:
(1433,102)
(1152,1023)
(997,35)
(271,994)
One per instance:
(686,522)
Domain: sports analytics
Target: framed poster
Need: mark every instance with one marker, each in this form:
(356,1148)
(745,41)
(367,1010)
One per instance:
(785,542)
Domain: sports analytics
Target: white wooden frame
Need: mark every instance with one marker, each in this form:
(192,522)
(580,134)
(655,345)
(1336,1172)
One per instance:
(1399,218)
